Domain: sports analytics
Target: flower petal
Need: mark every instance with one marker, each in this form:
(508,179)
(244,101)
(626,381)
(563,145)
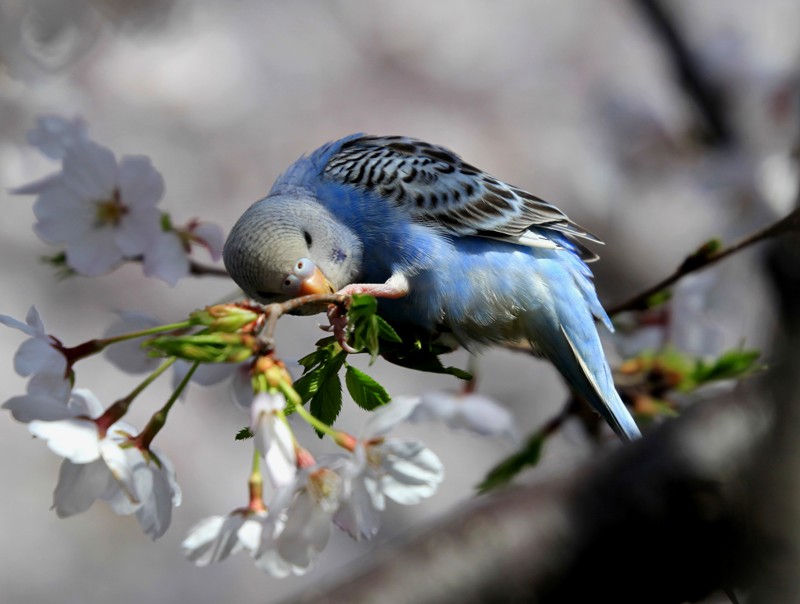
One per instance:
(213,539)
(42,406)
(74,439)
(167,259)
(387,417)
(79,485)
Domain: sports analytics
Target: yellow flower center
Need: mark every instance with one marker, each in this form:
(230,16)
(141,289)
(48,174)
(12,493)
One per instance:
(110,211)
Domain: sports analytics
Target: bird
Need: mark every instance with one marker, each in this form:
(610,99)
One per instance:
(443,245)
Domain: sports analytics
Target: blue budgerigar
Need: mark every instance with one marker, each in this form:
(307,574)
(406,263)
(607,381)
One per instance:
(444,245)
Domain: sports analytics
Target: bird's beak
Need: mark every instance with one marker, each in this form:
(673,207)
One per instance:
(317,283)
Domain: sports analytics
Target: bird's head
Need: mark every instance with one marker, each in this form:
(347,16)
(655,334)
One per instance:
(290,245)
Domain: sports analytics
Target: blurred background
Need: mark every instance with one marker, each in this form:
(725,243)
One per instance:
(576,101)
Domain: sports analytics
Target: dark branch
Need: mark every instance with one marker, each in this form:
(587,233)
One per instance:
(203,270)
(707,100)
(699,262)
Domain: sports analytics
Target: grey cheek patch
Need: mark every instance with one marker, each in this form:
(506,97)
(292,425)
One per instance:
(338,256)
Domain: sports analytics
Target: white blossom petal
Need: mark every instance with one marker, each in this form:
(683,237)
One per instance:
(79,485)
(90,171)
(211,236)
(141,185)
(213,539)
(74,439)
(84,402)
(129,355)
(37,355)
(95,253)
(38,186)
(387,417)
(166,259)
(31,407)
(55,135)
(412,471)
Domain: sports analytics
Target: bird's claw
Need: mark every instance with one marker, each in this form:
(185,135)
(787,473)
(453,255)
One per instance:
(337,320)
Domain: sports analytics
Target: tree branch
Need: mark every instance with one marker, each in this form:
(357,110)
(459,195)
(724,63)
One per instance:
(203,270)
(707,100)
(700,261)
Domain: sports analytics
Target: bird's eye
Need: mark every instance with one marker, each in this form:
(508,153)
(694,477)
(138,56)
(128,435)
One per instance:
(307,237)
(290,284)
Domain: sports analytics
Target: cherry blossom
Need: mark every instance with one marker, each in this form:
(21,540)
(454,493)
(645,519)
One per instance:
(467,411)
(97,466)
(315,498)
(129,356)
(402,469)
(168,258)
(40,354)
(54,135)
(273,437)
(215,538)
(101,211)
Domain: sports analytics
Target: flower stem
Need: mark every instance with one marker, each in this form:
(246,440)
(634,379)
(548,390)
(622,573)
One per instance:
(255,485)
(159,418)
(74,354)
(115,412)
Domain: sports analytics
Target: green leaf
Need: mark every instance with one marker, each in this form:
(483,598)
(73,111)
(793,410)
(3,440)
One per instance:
(244,434)
(507,469)
(326,403)
(366,392)
(386,331)
(658,298)
(731,364)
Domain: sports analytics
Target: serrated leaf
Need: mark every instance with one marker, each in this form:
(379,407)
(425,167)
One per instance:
(244,434)
(507,469)
(366,392)
(386,331)
(326,403)
(307,384)
(423,360)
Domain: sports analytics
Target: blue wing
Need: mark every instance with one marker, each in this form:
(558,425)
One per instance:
(436,187)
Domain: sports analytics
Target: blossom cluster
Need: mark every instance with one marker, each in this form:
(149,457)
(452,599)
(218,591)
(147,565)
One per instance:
(103,212)
(107,459)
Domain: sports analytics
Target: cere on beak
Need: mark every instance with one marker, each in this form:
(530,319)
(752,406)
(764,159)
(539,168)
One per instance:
(306,278)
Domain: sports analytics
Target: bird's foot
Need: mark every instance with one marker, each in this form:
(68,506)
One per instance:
(395,287)
(337,325)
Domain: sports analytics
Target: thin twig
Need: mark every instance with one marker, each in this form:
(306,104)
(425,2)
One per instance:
(639,301)
(203,270)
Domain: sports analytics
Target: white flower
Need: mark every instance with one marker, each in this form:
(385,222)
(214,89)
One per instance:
(215,538)
(468,411)
(403,470)
(54,135)
(129,356)
(101,211)
(168,257)
(97,466)
(273,437)
(209,235)
(316,495)
(39,354)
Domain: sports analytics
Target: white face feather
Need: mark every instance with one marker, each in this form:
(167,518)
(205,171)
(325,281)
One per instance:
(274,233)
